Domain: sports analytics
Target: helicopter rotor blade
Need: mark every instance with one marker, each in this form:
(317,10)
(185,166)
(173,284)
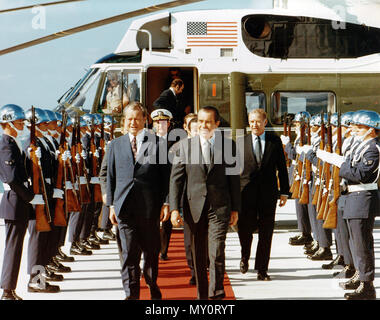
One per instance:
(39,5)
(98,23)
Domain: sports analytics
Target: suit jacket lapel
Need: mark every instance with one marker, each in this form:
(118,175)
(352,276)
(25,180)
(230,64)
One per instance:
(128,148)
(249,150)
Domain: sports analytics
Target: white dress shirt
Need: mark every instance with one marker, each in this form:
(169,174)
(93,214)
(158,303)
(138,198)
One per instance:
(139,139)
(262,140)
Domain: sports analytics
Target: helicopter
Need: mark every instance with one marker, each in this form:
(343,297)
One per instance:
(236,60)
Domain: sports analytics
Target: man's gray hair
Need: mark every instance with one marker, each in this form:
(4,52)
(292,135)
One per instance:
(135,105)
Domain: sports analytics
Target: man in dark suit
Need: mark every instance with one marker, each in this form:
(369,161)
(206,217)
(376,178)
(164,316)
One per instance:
(202,167)
(136,189)
(263,160)
(170,100)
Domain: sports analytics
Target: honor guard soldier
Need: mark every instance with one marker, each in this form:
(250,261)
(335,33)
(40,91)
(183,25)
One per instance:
(15,207)
(106,224)
(41,244)
(300,119)
(344,256)
(320,248)
(77,219)
(361,172)
(161,126)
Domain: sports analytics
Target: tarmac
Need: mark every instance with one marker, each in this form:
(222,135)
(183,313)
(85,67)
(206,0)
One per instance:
(294,277)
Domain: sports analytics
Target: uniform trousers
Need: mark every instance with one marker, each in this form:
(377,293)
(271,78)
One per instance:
(360,231)
(14,238)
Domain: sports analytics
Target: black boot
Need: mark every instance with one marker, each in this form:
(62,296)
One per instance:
(338,261)
(365,291)
(312,249)
(61,256)
(10,295)
(351,284)
(301,240)
(321,254)
(347,272)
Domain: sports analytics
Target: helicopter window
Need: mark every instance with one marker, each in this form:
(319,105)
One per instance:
(293,102)
(83,97)
(254,100)
(120,88)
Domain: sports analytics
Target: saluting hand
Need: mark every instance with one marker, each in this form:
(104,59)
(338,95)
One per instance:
(176,219)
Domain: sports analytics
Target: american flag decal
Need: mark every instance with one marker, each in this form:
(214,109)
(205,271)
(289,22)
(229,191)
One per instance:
(212,34)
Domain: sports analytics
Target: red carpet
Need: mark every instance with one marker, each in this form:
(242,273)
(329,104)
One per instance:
(174,275)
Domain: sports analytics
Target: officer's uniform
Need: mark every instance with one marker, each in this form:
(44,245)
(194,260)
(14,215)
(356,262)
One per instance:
(361,171)
(303,220)
(14,208)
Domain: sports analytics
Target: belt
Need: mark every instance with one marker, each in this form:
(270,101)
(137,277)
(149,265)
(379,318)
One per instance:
(362,187)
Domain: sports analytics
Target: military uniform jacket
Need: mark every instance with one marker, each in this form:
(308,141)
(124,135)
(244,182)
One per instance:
(361,168)
(15,202)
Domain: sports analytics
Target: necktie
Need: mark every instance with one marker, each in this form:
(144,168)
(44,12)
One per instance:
(207,154)
(258,152)
(134,148)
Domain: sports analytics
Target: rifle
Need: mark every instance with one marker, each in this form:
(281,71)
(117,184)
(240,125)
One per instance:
(60,211)
(43,217)
(297,176)
(325,177)
(316,185)
(84,188)
(285,134)
(304,196)
(73,200)
(331,218)
(95,165)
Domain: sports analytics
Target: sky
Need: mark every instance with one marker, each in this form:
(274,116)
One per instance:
(39,75)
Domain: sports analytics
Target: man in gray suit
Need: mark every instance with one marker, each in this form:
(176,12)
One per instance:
(202,168)
(136,189)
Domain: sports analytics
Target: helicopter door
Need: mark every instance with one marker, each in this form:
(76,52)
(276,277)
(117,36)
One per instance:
(120,88)
(160,78)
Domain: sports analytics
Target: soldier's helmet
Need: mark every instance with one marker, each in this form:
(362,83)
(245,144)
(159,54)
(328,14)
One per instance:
(98,118)
(108,121)
(82,122)
(51,115)
(161,114)
(334,119)
(88,118)
(302,116)
(367,118)
(316,119)
(346,118)
(40,115)
(58,116)
(11,112)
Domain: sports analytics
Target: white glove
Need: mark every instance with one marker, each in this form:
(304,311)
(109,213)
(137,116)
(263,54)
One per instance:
(307,148)
(77,158)
(299,149)
(37,199)
(337,160)
(82,180)
(321,154)
(96,153)
(57,153)
(95,180)
(68,185)
(84,155)
(58,193)
(38,153)
(68,154)
(285,139)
